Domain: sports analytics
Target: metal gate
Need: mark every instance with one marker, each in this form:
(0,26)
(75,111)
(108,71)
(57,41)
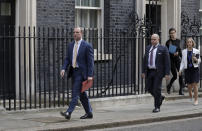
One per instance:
(191,28)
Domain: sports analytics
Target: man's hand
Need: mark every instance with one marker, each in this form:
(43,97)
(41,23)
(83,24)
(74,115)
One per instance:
(62,73)
(195,59)
(167,77)
(180,73)
(143,75)
(176,54)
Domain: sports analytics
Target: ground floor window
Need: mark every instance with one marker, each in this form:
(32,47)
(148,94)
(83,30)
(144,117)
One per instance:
(89,15)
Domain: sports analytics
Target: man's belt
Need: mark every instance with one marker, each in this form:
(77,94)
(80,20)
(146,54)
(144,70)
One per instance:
(152,69)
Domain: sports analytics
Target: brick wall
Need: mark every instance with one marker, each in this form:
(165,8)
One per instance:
(55,13)
(62,13)
(117,13)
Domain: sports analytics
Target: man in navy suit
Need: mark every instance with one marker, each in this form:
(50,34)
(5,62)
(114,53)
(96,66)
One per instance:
(156,65)
(80,64)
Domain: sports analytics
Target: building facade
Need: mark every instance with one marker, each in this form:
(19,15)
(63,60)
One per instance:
(43,28)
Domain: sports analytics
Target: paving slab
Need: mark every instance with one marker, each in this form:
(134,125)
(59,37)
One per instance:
(112,115)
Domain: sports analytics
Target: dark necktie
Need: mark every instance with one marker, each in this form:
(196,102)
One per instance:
(151,56)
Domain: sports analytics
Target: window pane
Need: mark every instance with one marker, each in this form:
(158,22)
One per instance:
(200,15)
(95,3)
(87,18)
(200,4)
(5,9)
(77,2)
(85,3)
(84,18)
(93,18)
(76,18)
(89,3)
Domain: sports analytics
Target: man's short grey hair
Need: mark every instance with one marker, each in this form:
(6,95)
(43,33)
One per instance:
(156,35)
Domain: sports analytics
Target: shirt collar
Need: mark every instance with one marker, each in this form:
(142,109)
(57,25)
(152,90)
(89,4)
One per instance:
(154,46)
(79,42)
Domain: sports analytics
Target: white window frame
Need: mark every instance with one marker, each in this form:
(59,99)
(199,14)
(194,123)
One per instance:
(100,25)
(101,15)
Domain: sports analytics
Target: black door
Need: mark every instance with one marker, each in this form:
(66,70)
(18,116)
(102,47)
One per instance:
(7,49)
(153,15)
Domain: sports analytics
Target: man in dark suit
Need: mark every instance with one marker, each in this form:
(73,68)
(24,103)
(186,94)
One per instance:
(80,59)
(156,65)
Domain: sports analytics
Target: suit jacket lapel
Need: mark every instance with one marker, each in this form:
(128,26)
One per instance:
(185,53)
(147,55)
(157,54)
(71,50)
(149,47)
(80,48)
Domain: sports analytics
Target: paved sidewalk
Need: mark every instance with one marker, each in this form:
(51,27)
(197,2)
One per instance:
(174,107)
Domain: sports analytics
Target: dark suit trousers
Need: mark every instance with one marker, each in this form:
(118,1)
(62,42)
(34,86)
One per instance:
(77,80)
(174,66)
(154,82)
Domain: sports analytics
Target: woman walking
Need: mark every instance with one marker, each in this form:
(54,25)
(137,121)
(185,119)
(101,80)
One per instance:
(190,64)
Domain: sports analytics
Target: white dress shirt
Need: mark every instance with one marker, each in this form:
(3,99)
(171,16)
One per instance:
(153,66)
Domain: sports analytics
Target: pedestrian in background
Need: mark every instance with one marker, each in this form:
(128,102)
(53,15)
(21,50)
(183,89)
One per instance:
(173,45)
(156,65)
(190,64)
(80,58)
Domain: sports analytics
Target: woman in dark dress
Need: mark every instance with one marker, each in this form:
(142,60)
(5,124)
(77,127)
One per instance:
(190,64)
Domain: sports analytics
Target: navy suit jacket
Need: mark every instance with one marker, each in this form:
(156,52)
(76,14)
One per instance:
(85,59)
(162,61)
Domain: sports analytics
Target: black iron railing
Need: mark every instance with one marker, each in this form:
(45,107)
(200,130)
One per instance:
(32,57)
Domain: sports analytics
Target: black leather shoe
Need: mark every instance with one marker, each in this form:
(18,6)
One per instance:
(87,116)
(181,93)
(162,98)
(155,110)
(67,116)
